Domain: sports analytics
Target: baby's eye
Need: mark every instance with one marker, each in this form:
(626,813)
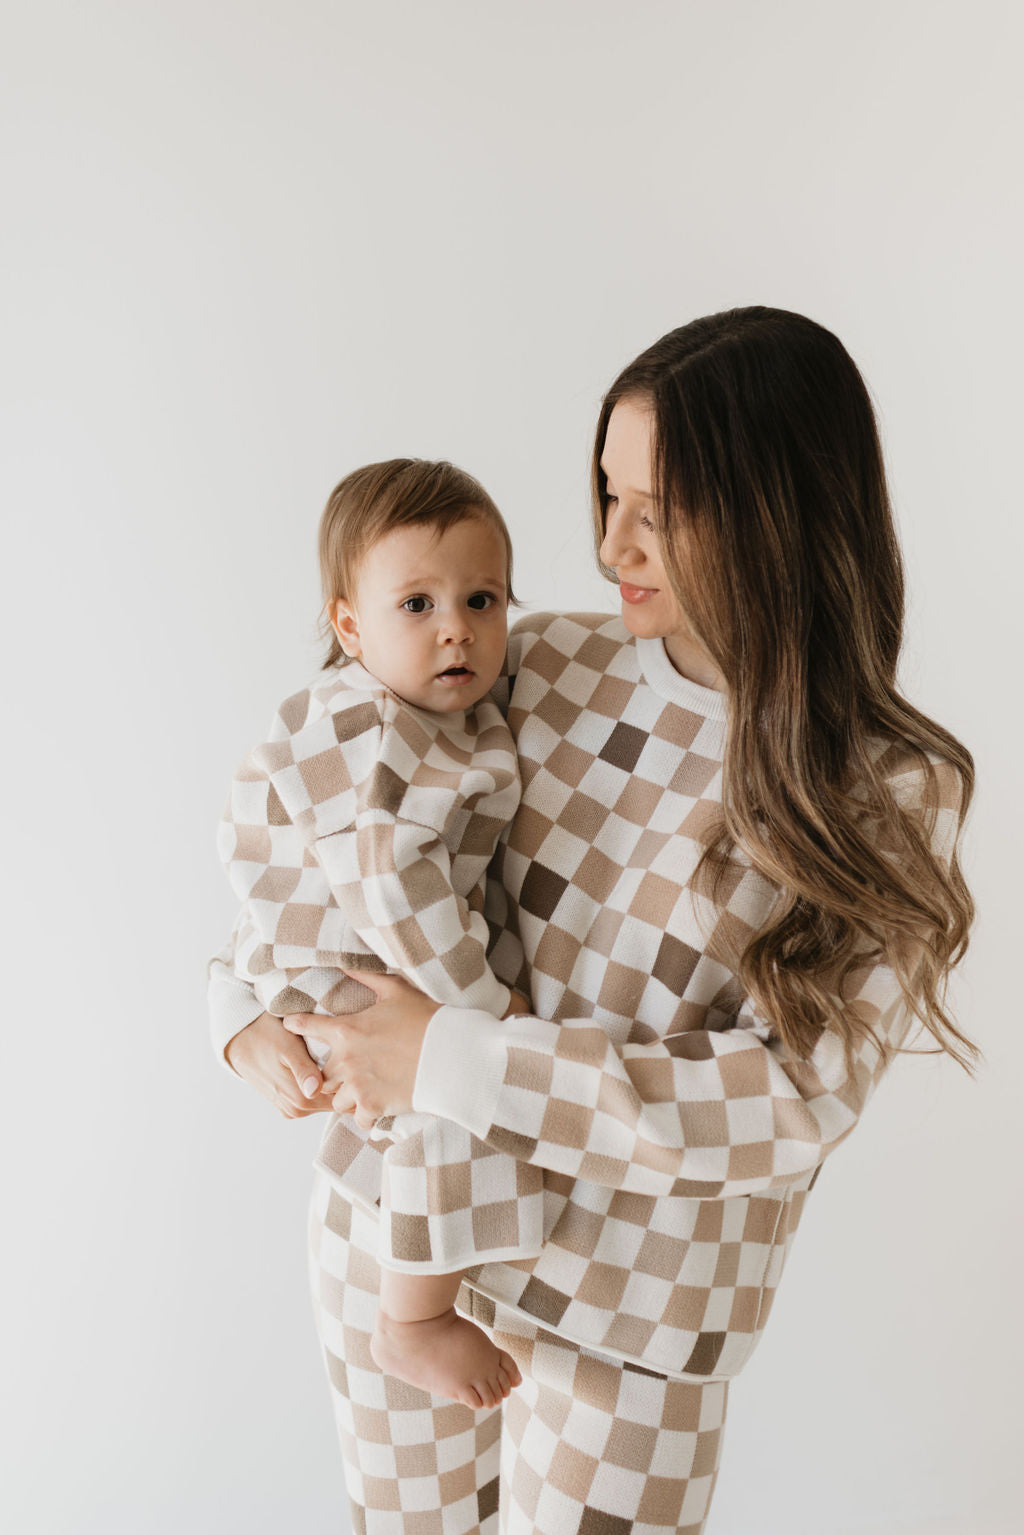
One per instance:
(416,604)
(481,600)
(645,522)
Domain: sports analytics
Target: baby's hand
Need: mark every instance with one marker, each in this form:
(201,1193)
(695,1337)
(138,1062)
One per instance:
(517,1003)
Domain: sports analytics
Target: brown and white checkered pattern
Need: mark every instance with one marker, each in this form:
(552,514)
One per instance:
(362,830)
(585,1446)
(358,835)
(678,1135)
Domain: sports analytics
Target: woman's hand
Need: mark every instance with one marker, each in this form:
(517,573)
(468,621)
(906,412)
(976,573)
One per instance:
(276,1064)
(375,1053)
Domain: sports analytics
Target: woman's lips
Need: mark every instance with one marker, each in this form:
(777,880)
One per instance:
(636,593)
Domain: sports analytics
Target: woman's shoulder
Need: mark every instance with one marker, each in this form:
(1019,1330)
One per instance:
(916,775)
(923,785)
(537,640)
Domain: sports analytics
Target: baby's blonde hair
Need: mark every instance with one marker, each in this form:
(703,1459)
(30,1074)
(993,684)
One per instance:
(378,498)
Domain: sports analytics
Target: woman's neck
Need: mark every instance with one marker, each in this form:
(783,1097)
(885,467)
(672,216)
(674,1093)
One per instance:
(692,660)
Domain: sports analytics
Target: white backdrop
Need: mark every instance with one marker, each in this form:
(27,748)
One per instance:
(248,247)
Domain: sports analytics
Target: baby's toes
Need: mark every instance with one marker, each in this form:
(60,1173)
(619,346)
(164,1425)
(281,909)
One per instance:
(511,1369)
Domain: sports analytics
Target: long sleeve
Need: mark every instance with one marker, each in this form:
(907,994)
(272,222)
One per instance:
(702,1113)
(699,1114)
(393,878)
(231,1001)
(402,816)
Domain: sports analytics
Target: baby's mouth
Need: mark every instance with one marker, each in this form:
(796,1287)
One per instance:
(456,671)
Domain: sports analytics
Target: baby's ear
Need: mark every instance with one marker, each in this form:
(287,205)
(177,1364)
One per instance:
(346,627)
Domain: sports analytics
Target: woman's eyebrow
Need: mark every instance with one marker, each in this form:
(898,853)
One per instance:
(645,493)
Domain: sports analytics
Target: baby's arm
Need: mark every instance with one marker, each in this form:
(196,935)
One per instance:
(407,853)
(393,879)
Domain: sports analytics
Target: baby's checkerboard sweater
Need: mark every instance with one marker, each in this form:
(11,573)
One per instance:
(679,1136)
(357,836)
(360,831)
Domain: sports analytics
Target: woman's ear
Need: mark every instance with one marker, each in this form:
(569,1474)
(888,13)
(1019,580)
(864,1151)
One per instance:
(346,626)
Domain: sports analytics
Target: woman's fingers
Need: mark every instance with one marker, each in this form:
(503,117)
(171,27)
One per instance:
(306,1073)
(383,986)
(303,1023)
(344,1100)
(277,1065)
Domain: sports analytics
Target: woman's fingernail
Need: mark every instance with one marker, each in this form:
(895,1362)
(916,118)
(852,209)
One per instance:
(310,1086)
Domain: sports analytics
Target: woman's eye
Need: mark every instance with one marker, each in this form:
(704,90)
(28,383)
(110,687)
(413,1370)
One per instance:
(416,604)
(609,498)
(481,600)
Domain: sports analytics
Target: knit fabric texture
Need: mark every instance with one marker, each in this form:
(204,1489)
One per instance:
(358,835)
(678,1135)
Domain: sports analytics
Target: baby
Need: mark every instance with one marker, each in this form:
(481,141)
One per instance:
(358,837)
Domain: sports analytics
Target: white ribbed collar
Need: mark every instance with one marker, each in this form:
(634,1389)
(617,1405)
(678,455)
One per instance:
(662,677)
(358,676)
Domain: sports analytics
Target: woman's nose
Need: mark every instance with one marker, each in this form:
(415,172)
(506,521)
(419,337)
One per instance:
(613,545)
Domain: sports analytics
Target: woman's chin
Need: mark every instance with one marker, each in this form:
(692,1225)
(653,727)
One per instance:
(641,621)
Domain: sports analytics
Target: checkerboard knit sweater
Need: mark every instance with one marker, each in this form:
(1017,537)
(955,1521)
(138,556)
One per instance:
(358,836)
(678,1136)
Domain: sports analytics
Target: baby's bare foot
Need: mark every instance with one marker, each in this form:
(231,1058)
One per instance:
(446,1355)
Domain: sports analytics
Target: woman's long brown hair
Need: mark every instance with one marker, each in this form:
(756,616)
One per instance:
(777,535)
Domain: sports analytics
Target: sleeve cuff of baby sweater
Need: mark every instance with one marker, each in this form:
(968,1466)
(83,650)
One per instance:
(232,1008)
(461,1068)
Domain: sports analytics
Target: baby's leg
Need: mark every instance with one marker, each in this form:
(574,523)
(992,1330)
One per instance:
(420,1337)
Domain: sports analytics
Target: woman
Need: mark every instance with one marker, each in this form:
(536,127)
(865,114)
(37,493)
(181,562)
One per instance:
(731,887)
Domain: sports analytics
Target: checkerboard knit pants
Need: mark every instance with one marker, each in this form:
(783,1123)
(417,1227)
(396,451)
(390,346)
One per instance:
(585,1446)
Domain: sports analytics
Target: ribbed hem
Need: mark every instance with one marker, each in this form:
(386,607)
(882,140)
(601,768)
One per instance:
(461,1069)
(661,675)
(450,1263)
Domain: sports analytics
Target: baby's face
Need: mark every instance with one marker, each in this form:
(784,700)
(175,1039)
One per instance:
(429,616)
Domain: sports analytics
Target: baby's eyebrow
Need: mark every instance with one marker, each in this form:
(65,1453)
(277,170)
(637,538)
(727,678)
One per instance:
(421,582)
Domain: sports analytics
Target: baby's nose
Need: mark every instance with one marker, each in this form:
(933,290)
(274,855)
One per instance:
(456,629)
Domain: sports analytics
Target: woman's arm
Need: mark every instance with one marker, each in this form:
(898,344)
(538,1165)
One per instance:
(699,1114)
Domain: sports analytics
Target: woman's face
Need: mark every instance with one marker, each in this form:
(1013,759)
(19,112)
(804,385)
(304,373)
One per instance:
(631,548)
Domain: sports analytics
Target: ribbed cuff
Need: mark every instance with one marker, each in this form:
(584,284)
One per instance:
(232,1008)
(462,1068)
